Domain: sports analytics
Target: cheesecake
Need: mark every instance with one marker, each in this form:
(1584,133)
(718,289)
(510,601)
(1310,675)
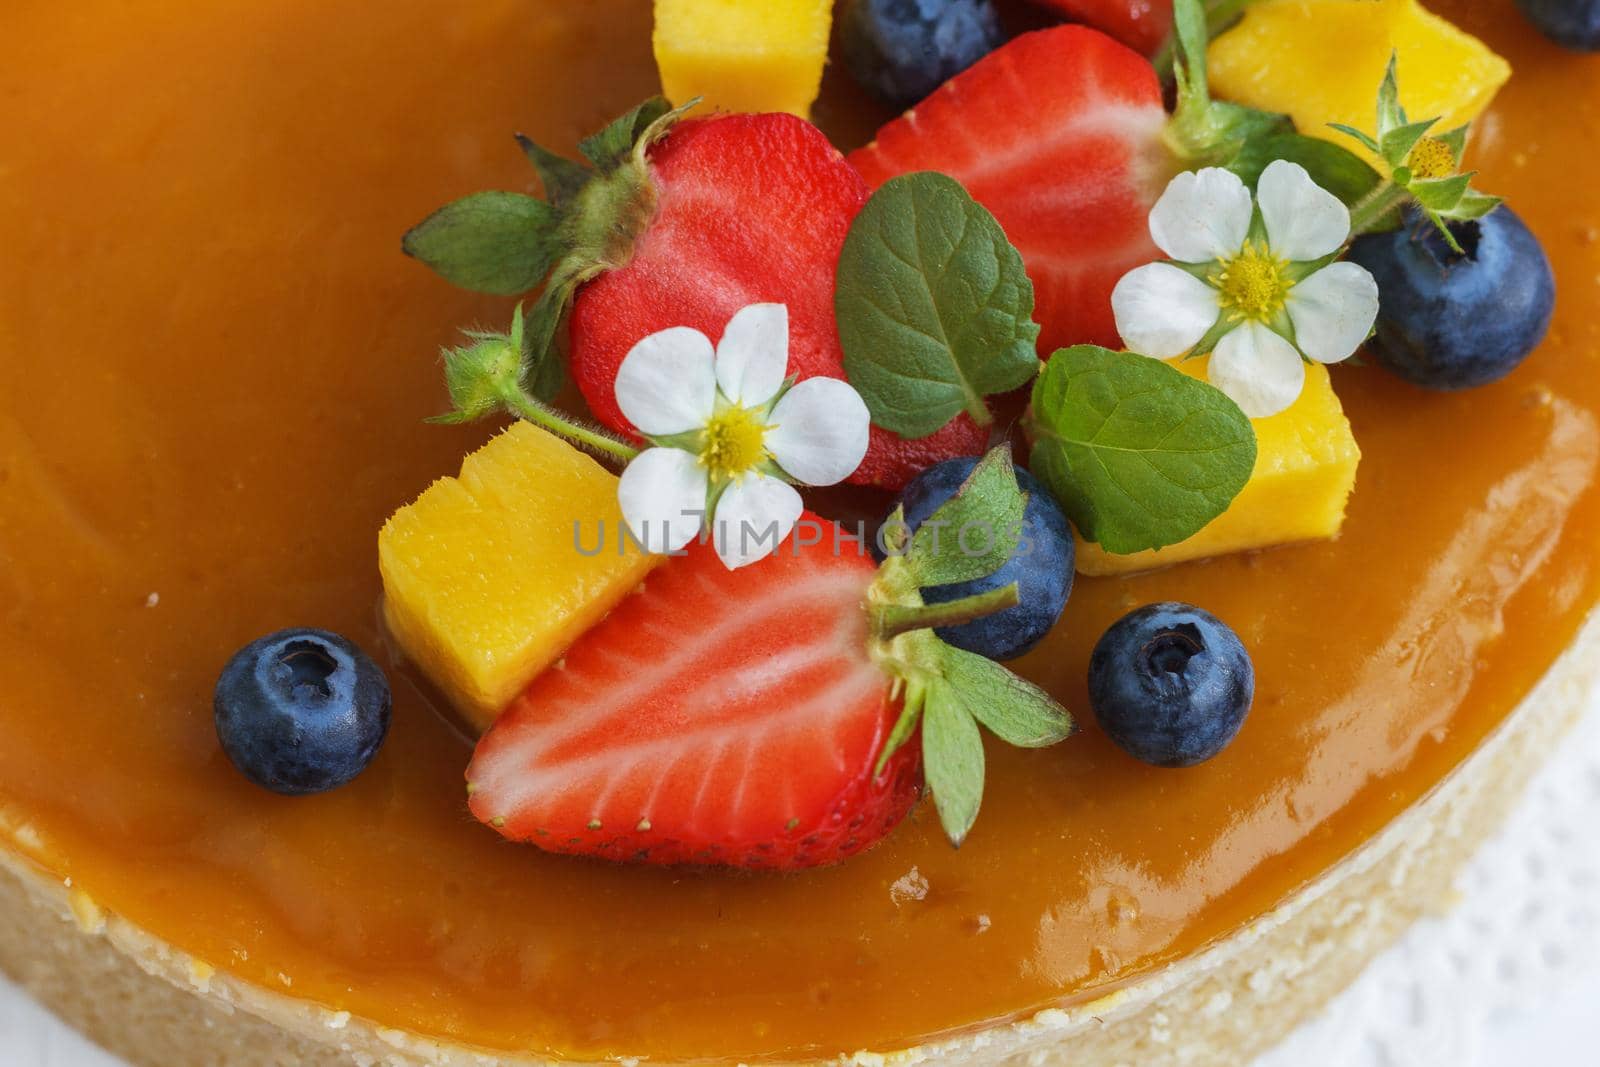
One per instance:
(217,363)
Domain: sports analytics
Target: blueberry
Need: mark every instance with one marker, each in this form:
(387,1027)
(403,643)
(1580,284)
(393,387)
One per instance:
(902,50)
(1041,566)
(1574,24)
(1170,684)
(1454,320)
(301,711)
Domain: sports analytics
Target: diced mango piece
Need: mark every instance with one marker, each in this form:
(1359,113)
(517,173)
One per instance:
(484,581)
(743,55)
(1321,61)
(1306,460)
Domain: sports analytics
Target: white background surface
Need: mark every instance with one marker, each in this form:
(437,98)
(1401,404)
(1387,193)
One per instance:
(1510,978)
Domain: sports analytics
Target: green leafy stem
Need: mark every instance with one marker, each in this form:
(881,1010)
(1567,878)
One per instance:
(1434,184)
(943,689)
(485,378)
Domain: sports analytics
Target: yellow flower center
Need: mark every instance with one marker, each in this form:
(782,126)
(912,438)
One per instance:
(734,442)
(1253,284)
(1431,158)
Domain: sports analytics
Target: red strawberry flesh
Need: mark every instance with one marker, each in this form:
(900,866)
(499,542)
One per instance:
(1058,133)
(1139,24)
(729,717)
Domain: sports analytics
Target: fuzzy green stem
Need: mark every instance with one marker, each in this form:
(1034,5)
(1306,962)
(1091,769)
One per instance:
(525,407)
(892,620)
(1371,209)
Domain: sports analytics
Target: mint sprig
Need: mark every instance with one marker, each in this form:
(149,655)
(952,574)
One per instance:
(1140,455)
(947,691)
(934,308)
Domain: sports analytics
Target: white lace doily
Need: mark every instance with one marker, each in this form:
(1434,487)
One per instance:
(1511,976)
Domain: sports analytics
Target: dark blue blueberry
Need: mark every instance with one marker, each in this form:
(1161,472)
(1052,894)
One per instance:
(301,711)
(1170,684)
(902,50)
(1574,24)
(1454,320)
(1041,566)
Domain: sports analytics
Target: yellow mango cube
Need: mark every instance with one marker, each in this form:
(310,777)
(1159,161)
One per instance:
(489,576)
(1306,460)
(743,55)
(1321,61)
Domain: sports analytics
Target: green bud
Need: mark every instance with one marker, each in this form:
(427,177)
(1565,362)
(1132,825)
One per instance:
(479,375)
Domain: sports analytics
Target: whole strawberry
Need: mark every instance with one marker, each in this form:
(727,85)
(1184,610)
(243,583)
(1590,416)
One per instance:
(675,224)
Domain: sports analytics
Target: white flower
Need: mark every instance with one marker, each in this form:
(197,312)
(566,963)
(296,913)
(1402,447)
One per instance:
(729,435)
(1246,285)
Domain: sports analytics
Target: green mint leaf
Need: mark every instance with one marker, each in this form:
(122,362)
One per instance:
(1014,709)
(500,243)
(1396,145)
(1140,455)
(952,760)
(1441,194)
(973,533)
(614,144)
(1338,170)
(562,177)
(935,311)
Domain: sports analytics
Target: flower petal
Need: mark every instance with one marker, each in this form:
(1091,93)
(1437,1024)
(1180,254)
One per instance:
(666,383)
(753,517)
(1162,311)
(663,498)
(1304,221)
(819,431)
(1260,370)
(1202,215)
(1333,311)
(753,355)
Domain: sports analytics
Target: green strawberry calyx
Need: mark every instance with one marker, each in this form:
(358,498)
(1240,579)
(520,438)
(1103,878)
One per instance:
(1424,169)
(948,691)
(593,212)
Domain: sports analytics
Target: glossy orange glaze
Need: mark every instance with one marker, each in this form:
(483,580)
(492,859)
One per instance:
(213,367)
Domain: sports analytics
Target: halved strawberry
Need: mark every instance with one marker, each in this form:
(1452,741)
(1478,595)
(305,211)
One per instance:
(758,717)
(688,727)
(1059,134)
(1139,24)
